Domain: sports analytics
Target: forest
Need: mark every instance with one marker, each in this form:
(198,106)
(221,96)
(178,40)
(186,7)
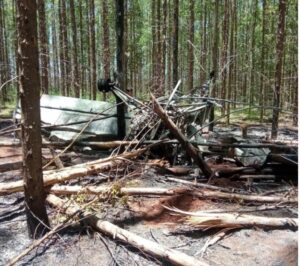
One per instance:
(160,132)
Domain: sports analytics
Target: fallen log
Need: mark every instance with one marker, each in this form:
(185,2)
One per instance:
(72,172)
(191,150)
(200,185)
(153,248)
(97,190)
(243,197)
(68,190)
(114,144)
(234,220)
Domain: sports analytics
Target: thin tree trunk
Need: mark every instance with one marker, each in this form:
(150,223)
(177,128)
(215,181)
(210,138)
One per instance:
(278,70)
(75,72)
(105,41)
(164,44)
(262,62)
(4,67)
(175,41)
(92,49)
(82,69)
(119,59)
(231,54)
(253,41)
(61,53)
(37,219)
(55,56)
(215,62)
(191,45)
(224,63)
(44,51)
(66,64)
(203,55)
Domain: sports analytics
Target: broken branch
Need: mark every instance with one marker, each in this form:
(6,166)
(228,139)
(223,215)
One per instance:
(191,150)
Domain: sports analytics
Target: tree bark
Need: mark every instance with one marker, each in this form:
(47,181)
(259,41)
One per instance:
(175,41)
(93,50)
(75,73)
(278,69)
(37,219)
(215,63)
(55,45)
(44,51)
(262,60)
(61,51)
(119,59)
(191,45)
(105,41)
(224,62)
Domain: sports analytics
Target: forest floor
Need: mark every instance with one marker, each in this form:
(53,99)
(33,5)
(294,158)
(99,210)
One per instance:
(80,245)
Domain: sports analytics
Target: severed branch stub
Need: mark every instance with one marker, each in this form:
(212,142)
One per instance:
(191,150)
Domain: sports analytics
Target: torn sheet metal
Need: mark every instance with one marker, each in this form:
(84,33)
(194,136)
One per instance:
(64,117)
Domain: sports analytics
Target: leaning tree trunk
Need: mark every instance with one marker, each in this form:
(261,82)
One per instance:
(37,219)
(278,70)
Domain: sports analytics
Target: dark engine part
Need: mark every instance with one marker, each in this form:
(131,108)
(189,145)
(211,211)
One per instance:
(105,85)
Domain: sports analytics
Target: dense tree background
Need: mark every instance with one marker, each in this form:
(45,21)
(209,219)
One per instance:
(165,40)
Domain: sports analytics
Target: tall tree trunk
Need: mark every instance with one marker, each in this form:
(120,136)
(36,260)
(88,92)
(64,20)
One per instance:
(4,62)
(93,50)
(67,71)
(105,41)
(37,219)
(224,63)
(75,72)
(61,51)
(169,50)
(231,56)
(253,41)
(119,59)
(191,45)
(82,69)
(55,45)
(278,70)
(17,61)
(262,60)
(159,89)
(164,44)
(175,41)
(203,54)
(215,62)
(44,51)
(235,40)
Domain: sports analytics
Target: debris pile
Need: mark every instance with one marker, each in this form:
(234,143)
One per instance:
(168,140)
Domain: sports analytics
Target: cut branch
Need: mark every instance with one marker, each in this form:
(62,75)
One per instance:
(72,172)
(68,190)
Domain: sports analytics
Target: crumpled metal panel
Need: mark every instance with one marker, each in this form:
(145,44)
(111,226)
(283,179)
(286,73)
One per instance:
(63,112)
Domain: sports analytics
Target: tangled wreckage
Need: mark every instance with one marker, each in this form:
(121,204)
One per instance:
(176,126)
(169,134)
